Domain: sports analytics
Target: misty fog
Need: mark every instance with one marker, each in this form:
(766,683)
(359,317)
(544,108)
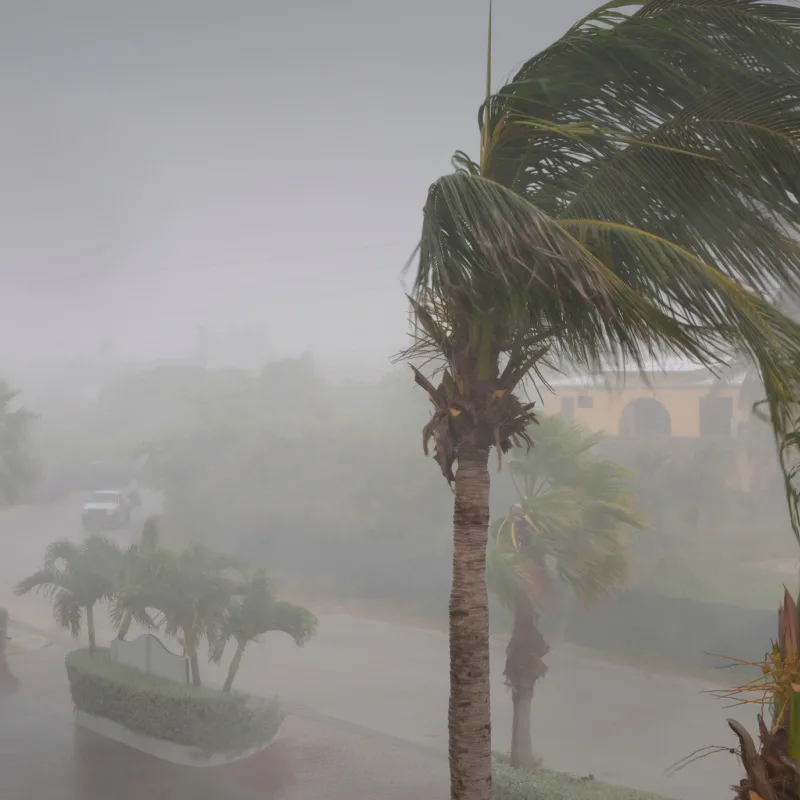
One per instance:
(163,164)
(206,214)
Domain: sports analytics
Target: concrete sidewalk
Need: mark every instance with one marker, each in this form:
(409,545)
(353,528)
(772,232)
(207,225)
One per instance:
(43,755)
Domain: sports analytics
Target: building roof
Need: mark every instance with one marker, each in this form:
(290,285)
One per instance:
(671,371)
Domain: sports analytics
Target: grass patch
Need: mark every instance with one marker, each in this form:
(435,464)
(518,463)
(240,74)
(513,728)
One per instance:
(543,784)
(204,718)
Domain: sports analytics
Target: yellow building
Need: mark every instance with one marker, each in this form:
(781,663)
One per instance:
(681,401)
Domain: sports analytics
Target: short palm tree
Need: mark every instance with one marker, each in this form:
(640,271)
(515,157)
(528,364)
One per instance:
(143,566)
(255,611)
(76,576)
(191,592)
(635,195)
(572,515)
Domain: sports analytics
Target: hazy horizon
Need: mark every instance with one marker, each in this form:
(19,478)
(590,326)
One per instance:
(184,163)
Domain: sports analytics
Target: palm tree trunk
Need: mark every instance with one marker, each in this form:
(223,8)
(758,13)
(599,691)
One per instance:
(521,742)
(469,720)
(90,628)
(524,666)
(8,682)
(125,626)
(190,646)
(234,668)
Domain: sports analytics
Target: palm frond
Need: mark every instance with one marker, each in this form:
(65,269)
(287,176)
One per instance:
(43,581)
(574,512)
(296,621)
(61,550)
(68,612)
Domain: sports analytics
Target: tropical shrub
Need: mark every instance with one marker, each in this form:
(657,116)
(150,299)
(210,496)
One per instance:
(207,719)
(771,769)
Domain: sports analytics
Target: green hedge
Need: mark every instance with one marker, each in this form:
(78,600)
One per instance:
(542,784)
(204,718)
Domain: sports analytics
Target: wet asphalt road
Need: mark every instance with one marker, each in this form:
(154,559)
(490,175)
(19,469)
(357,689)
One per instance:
(623,725)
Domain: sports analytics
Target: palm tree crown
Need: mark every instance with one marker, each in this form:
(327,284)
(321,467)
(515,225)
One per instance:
(76,577)
(634,197)
(190,591)
(574,511)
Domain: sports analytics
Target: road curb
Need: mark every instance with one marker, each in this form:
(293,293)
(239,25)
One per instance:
(17,624)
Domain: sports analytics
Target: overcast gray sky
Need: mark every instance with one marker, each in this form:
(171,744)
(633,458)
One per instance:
(168,163)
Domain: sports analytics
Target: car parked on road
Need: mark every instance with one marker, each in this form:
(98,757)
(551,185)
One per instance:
(108,510)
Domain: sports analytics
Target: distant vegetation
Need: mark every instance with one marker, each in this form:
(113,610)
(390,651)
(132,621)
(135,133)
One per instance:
(18,469)
(321,481)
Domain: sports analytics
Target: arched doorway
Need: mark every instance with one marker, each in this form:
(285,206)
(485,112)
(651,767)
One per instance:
(645,417)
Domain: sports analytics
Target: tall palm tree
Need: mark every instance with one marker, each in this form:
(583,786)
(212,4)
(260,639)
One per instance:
(635,195)
(76,577)
(253,612)
(573,512)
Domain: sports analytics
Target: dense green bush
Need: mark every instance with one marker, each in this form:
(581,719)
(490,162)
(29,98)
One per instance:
(204,718)
(542,784)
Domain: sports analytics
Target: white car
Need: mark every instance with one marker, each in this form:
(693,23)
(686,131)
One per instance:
(107,510)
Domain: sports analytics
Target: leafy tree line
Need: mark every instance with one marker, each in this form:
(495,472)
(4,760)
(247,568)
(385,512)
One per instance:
(293,468)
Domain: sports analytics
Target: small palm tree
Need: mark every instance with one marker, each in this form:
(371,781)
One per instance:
(573,512)
(191,592)
(255,611)
(76,577)
(144,563)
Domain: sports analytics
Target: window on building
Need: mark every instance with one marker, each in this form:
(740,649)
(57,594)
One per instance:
(584,401)
(568,408)
(716,416)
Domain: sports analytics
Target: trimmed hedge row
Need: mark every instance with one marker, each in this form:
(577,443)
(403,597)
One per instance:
(542,784)
(204,718)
